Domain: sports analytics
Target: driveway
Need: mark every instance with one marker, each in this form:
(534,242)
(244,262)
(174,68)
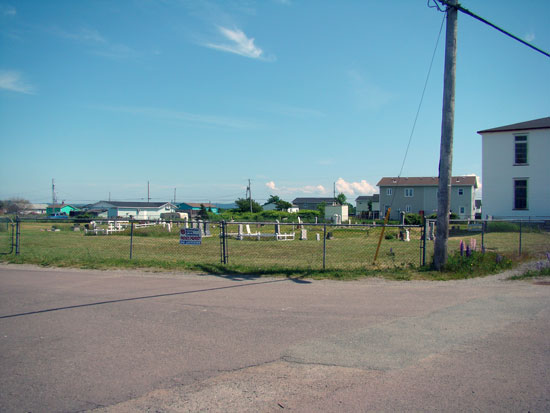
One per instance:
(122,341)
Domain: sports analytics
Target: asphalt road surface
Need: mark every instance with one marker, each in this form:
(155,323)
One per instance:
(126,341)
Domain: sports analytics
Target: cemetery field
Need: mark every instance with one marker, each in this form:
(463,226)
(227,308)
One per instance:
(349,249)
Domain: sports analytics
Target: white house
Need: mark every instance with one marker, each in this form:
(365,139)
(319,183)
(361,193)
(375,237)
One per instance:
(516,170)
(341,211)
(135,210)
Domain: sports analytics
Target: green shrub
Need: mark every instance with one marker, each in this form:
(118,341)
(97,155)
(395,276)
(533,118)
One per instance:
(413,219)
(477,263)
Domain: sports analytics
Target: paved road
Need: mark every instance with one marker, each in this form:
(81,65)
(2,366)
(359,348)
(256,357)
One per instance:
(121,341)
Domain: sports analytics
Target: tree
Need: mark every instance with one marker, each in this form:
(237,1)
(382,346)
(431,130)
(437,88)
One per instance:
(283,205)
(341,199)
(243,205)
(203,213)
(16,205)
(321,208)
(273,199)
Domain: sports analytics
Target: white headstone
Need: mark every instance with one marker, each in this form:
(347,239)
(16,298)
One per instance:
(318,236)
(303,234)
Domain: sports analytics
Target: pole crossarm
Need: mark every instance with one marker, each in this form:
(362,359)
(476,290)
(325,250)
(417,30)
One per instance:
(494,26)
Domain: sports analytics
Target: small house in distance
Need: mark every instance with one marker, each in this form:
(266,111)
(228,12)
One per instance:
(311,203)
(134,210)
(60,209)
(515,164)
(419,195)
(368,206)
(193,208)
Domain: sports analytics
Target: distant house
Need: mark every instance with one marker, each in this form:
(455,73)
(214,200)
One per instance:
(60,209)
(134,210)
(419,195)
(362,206)
(36,209)
(516,170)
(311,203)
(192,208)
(338,214)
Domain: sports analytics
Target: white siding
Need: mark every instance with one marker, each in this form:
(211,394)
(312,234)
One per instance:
(499,172)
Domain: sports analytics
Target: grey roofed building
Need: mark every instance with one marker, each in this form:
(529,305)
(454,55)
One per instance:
(311,203)
(362,206)
(419,195)
(135,210)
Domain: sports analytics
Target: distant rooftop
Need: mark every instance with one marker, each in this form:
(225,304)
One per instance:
(426,181)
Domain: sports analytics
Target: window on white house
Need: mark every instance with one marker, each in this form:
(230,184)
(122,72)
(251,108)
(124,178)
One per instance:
(460,191)
(389,191)
(521,150)
(520,193)
(408,209)
(409,192)
(462,210)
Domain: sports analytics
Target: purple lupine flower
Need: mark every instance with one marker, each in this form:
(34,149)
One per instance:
(468,253)
(461,248)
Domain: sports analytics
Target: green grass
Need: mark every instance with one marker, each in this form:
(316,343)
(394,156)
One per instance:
(349,255)
(538,273)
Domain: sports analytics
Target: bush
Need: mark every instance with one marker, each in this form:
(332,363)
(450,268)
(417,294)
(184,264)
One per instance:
(413,219)
(478,263)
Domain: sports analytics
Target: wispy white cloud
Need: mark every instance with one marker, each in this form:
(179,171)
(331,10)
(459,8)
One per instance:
(306,189)
(351,188)
(185,116)
(7,10)
(368,94)
(11,80)
(529,37)
(291,111)
(97,43)
(239,43)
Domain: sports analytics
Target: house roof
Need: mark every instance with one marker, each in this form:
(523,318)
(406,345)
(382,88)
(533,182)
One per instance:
(60,206)
(427,181)
(373,198)
(131,204)
(312,200)
(198,205)
(542,123)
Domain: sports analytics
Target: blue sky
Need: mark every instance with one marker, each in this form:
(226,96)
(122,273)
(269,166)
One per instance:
(104,96)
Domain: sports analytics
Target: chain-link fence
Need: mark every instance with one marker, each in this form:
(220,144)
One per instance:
(513,237)
(7,235)
(262,246)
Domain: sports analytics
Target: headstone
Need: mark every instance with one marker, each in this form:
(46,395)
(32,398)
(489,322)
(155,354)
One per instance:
(402,215)
(186,222)
(277,227)
(318,236)
(207,232)
(329,235)
(299,223)
(407,239)
(303,234)
(431,231)
(248,229)
(240,234)
(316,220)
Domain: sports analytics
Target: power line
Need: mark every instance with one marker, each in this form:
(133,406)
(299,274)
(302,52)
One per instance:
(494,26)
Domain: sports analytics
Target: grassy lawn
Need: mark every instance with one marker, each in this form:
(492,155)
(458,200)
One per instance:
(349,254)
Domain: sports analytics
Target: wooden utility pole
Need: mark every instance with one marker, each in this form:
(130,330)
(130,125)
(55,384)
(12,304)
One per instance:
(446,150)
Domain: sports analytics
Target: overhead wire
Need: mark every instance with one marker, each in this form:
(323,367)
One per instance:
(419,106)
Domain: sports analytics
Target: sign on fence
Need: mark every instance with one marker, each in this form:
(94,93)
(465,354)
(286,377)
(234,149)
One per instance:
(190,236)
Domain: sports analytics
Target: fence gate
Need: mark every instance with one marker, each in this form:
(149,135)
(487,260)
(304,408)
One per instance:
(7,235)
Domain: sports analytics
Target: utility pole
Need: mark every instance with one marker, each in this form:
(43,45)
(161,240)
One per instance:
(446,150)
(249,190)
(174,196)
(54,198)
(148,197)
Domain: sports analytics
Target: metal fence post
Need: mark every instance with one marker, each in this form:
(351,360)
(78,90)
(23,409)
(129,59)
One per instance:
(425,229)
(519,237)
(131,238)
(483,224)
(223,242)
(17,235)
(324,245)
